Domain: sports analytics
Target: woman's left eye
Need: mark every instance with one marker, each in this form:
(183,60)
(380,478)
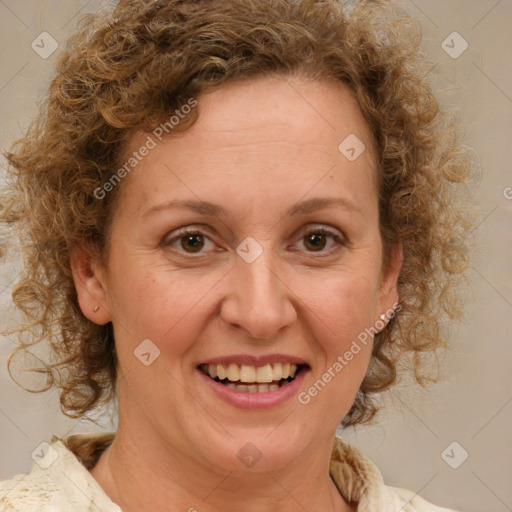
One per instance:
(315,240)
(193,241)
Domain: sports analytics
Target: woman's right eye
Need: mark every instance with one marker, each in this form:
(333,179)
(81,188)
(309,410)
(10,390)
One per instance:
(190,241)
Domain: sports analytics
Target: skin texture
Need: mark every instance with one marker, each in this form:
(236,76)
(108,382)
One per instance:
(258,148)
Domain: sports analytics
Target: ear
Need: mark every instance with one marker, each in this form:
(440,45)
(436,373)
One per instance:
(388,293)
(90,284)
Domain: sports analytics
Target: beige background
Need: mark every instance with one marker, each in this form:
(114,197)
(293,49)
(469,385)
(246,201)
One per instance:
(473,406)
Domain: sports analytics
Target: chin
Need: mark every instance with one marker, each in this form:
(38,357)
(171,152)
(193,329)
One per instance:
(256,449)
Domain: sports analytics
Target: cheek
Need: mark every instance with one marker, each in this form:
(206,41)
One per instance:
(342,305)
(160,304)
(341,311)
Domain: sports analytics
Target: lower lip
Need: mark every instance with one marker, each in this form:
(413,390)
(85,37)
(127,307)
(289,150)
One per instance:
(264,400)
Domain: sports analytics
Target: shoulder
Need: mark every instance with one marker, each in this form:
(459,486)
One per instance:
(412,502)
(33,492)
(359,480)
(58,482)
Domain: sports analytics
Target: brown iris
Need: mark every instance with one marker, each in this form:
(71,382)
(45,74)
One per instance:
(315,241)
(194,241)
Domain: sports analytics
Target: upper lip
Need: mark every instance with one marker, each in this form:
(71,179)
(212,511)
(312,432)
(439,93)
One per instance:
(257,361)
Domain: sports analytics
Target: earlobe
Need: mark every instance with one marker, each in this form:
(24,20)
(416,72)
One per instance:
(90,286)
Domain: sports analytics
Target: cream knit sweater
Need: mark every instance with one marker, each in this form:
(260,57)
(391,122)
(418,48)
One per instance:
(60,481)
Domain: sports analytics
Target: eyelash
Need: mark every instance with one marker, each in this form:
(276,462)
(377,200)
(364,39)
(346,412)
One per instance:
(323,231)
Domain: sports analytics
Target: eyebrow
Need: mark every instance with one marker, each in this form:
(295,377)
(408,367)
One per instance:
(214,210)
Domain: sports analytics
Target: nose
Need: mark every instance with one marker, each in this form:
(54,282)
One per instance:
(258,301)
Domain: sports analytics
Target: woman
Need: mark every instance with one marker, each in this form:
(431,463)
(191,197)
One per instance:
(236,217)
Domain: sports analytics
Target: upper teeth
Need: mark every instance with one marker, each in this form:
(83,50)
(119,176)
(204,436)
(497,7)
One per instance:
(247,373)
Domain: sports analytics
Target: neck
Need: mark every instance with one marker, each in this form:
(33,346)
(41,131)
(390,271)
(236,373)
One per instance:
(138,474)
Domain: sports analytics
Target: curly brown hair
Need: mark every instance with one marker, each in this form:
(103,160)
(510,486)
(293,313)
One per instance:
(125,71)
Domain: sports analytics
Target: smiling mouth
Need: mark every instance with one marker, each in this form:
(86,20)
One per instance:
(252,379)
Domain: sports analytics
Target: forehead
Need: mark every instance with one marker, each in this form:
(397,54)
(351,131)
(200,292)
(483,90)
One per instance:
(263,131)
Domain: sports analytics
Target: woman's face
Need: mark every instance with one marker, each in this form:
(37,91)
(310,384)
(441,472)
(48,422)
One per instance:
(283,267)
